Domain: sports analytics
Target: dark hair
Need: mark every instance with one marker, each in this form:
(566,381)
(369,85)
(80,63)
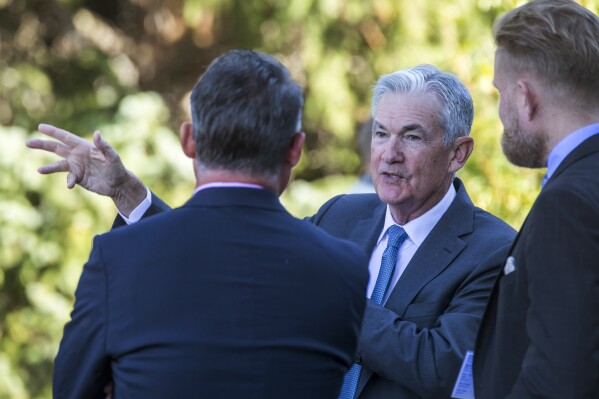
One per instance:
(246,110)
(557,40)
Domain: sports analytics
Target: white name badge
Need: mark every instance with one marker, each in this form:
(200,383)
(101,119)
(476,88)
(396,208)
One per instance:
(464,385)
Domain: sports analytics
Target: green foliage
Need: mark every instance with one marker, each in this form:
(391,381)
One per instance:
(46,232)
(79,63)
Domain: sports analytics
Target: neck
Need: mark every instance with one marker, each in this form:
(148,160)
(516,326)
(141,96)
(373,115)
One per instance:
(404,213)
(206,176)
(563,123)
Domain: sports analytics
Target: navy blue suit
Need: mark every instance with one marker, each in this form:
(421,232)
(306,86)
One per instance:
(540,334)
(228,296)
(412,346)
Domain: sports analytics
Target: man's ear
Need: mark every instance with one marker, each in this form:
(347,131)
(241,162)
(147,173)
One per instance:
(528,100)
(462,148)
(294,152)
(188,143)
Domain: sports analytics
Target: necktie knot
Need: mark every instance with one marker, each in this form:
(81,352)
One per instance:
(396,234)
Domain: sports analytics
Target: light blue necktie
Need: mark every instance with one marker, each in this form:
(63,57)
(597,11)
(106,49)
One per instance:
(396,236)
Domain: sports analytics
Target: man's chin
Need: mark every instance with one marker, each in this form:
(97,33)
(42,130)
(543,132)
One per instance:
(389,194)
(526,151)
(524,159)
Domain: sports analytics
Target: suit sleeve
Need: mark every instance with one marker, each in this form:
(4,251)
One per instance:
(562,321)
(82,366)
(157,206)
(427,360)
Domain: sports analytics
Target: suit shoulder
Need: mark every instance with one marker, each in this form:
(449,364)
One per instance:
(574,184)
(312,231)
(567,201)
(146,226)
(357,201)
(314,235)
(347,205)
(488,224)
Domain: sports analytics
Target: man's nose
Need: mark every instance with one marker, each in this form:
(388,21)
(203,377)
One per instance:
(393,151)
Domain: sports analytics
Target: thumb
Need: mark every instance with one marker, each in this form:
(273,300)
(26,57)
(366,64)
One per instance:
(106,149)
(71,180)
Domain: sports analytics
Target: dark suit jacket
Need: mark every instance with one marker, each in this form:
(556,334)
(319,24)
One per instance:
(540,334)
(228,296)
(413,346)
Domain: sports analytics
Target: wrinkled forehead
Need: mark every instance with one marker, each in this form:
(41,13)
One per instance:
(397,110)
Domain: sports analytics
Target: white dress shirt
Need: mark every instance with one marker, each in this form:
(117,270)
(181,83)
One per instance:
(417,230)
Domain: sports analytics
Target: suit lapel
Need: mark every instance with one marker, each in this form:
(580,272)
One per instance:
(436,253)
(586,148)
(367,230)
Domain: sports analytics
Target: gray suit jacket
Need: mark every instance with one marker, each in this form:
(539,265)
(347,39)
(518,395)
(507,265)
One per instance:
(412,347)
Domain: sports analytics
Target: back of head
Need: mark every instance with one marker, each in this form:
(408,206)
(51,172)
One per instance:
(555,40)
(246,110)
(456,101)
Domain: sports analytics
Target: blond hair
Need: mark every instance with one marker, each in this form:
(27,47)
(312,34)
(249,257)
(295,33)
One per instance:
(557,41)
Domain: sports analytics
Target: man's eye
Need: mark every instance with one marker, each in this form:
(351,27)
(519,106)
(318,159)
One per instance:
(412,137)
(379,133)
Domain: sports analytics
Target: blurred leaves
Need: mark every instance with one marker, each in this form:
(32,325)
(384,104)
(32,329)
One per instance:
(46,232)
(126,67)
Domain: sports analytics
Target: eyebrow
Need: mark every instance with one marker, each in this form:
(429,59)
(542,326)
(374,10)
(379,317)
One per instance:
(412,126)
(377,125)
(406,128)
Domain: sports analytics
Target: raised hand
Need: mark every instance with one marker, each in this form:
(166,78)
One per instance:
(94,165)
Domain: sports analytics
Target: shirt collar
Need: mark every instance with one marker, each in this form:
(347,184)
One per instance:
(419,228)
(567,145)
(226,184)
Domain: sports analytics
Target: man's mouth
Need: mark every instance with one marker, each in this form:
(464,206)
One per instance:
(392,176)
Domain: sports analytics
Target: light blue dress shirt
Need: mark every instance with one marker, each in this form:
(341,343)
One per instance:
(566,146)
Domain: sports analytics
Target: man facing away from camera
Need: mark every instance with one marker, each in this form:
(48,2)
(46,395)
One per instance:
(228,296)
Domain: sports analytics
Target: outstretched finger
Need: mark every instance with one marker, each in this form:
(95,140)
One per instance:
(59,166)
(106,149)
(37,144)
(62,135)
(54,147)
(49,130)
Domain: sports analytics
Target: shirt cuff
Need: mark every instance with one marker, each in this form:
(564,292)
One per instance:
(140,210)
